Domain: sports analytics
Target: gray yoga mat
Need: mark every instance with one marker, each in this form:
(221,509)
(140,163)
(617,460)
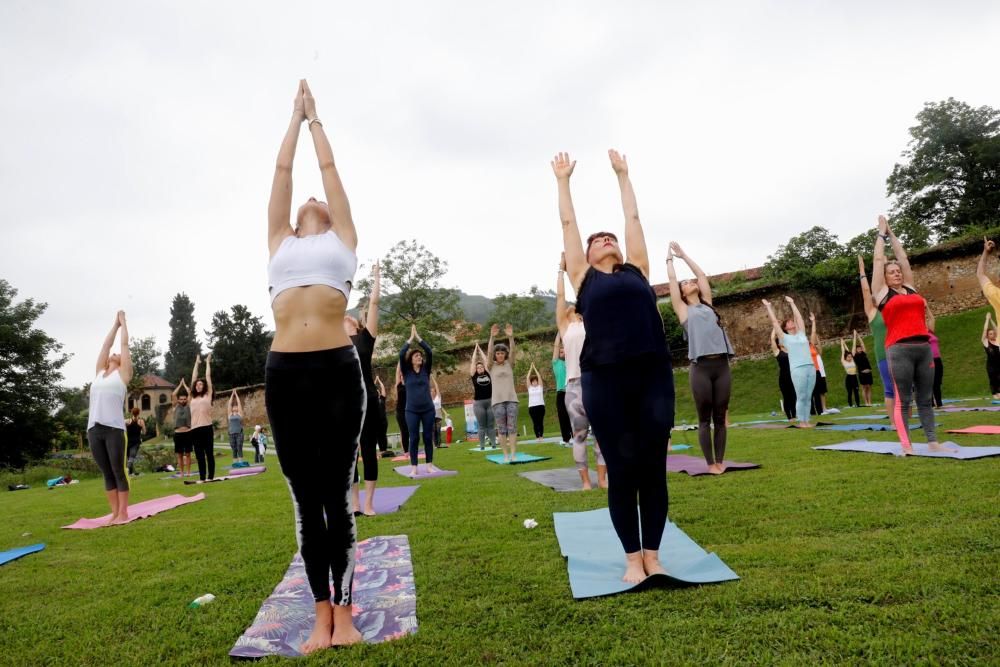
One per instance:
(919,449)
(559,479)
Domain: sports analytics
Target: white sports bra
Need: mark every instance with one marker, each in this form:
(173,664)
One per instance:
(317,259)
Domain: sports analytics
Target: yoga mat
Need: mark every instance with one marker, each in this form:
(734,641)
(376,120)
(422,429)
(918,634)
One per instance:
(978,430)
(178,475)
(388,499)
(983,408)
(235,474)
(406,457)
(485,449)
(141,510)
(919,449)
(520,457)
(678,448)
(695,466)
(596,560)
(423,474)
(559,479)
(385,602)
(761,421)
(783,424)
(861,417)
(552,440)
(686,427)
(14,554)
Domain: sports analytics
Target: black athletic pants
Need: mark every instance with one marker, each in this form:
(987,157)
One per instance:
(537,413)
(204,450)
(565,428)
(711,385)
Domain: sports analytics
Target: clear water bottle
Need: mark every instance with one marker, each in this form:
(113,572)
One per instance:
(201,601)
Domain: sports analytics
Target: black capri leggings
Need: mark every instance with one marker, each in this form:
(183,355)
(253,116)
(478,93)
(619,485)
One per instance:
(370,438)
(851,385)
(631,410)
(204,450)
(711,385)
(788,398)
(107,444)
(317,456)
(537,413)
(414,420)
(404,430)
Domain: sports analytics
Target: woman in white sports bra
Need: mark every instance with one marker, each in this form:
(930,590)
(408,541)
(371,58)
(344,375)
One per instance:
(312,369)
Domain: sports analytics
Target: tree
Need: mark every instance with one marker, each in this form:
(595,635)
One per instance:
(950,180)
(411,284)
(802,252)
(183,346)
(145,361)
(239,345)
(30,363)
(71,417)
(523,312)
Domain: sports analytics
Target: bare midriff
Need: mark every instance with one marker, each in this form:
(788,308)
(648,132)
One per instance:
(309,318)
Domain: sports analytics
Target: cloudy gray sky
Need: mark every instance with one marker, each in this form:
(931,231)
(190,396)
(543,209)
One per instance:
(139,138)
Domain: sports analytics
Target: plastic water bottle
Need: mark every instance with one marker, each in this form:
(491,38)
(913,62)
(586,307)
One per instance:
(201,601)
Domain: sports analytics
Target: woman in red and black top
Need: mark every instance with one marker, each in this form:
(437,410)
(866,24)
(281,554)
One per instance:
(907,339)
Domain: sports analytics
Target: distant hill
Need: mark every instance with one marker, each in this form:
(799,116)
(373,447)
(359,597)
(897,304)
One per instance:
(478,308)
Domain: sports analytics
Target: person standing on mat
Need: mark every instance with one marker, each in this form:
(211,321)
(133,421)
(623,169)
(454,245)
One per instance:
(709,351)
(559,373)
(536,401)
(628,389)
(877,324)
(850,376)
(404,431)
(482,399)
(573,334)
(504,399)
(134,429)
(785,384)
(792,336)
(820,388)
(936,355)
(907,340)
(236,426)
(438,411)
(105,421)
(416,367)
(202,430)
(990,289)
(313,388)
(182,428)
(864,366)
(992,349)
(383,433)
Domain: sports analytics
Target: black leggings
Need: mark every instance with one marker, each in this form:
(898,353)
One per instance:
(413,423)
(204,450)
(107,444)
(404,430)
(370,438)
(711,385)
(788,398)
(537,413)
(317,456)
(851,384)
(631,410)
(938,376)
(565,428)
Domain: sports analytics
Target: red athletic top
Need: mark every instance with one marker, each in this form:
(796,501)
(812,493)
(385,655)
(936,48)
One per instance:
(904,316)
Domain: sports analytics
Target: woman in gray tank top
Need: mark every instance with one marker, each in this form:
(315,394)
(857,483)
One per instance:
(236,427)
(182,428)
(504,399)
(709,350)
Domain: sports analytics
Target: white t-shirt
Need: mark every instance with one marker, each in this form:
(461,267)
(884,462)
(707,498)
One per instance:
(572,342)
(107,401)
(535,396)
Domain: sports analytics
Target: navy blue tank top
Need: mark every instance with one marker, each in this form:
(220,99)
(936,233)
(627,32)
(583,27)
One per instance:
(620,315)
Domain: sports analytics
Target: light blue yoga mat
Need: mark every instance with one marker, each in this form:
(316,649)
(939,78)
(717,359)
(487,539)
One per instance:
(520,457)
(596,560)
(551,440)
(919,449)
(14,554)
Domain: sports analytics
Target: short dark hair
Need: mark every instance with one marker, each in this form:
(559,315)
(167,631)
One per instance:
(595,236)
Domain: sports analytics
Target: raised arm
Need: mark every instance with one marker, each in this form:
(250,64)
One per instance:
(239,405)
(279,208)
(494,330)
(984,280)
(472,363)
(859,342)
(843,352)
(878,262)
(434,383)
(703,285)
(866,291)
(381,387)
(775,324)
(775,350)
(400,373)
(676,300)
(929,318)
(126,354)
(635,240)
(208,374)
(555,348)
(576,260)
(813,338)
(428,355)
(986,330)
(900,254)
(797,315)
(509,330)
(109,340)
(336,197)
(194,371)
(373,299)
(562,321)
(177,389)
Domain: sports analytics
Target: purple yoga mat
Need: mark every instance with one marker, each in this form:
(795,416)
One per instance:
(389,498)
(696,466)
(141,510)
(385,602)
(422,473)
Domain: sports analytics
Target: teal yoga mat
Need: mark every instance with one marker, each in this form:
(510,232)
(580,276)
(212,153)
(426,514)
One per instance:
(596,560)
(520,457)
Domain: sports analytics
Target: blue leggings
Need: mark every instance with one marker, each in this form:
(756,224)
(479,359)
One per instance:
(413,422)
(804,379)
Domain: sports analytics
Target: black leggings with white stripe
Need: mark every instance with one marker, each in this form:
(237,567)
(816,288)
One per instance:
(316,405)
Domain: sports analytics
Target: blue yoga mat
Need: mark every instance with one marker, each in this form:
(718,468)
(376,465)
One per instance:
(596,560)
(14,554)
(919,449)
(520,457)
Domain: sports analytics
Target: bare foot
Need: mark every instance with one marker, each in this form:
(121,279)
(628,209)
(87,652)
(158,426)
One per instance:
(651,562)
(122,518)
(369,512)
(715,469)
(806,425)
(938,447)
(111,521)
(322,629)
(634,571)
(907,451)
(413,471)
(344,632)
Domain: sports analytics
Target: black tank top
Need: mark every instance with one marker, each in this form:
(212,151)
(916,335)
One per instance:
(134,431)
(992,355)
(784,370)
(862,363)
(482,386)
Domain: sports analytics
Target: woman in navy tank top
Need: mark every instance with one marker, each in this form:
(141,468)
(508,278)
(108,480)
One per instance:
(628,386)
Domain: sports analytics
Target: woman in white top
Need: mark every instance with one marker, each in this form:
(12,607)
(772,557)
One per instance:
(106,423)
(313,388)
(536,400)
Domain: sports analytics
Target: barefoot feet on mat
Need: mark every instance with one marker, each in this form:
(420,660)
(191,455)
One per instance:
(651,562)
(634,570)
(344,632)
(322,629)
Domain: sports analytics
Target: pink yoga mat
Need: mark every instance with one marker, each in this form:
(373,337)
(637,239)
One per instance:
(978,430)
(141,510)
(694,466)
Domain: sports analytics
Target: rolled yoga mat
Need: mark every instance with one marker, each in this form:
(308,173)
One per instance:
(596,560)
(978,430)
(919,449)
(389,499)
(142,510)
(559,479)
(14,554)
(520,457)
(422,472)
(695,466)
(234,474)
(551,440)
(385,602)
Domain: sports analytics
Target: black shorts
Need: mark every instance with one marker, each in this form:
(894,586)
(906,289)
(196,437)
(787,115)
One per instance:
(820,384)
(182,443)
(866,379)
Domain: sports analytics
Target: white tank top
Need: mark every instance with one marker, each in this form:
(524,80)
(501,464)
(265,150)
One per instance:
(535,396)
(573,345)
(317,259)
(107,401)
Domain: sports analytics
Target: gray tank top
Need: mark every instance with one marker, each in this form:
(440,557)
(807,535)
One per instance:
(235,424)
(703,333)
(182,416)
(503,383)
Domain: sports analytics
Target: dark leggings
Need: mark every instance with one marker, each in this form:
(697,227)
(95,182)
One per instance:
(133,454)
(631,410)
(413,422)
(537,413)
(711,385)
(565,428)
(911,368)
(851,384)
(938,376)
(383,430)
(204,450)
(107,445)
(369,438)
(787,389)
(404,430)
(317,456)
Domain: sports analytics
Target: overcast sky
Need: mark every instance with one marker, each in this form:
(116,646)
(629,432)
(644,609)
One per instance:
(139,138)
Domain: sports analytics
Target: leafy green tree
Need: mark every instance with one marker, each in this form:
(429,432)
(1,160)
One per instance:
(183,346)
(950,178)
(239,343)
(523,312)
(71,416)
(802,252)
(145,361)
(30,363)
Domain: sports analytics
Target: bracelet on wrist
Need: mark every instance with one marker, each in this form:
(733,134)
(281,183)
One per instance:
(315,120)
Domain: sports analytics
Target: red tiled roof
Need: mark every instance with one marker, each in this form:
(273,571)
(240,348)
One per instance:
(150,381)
